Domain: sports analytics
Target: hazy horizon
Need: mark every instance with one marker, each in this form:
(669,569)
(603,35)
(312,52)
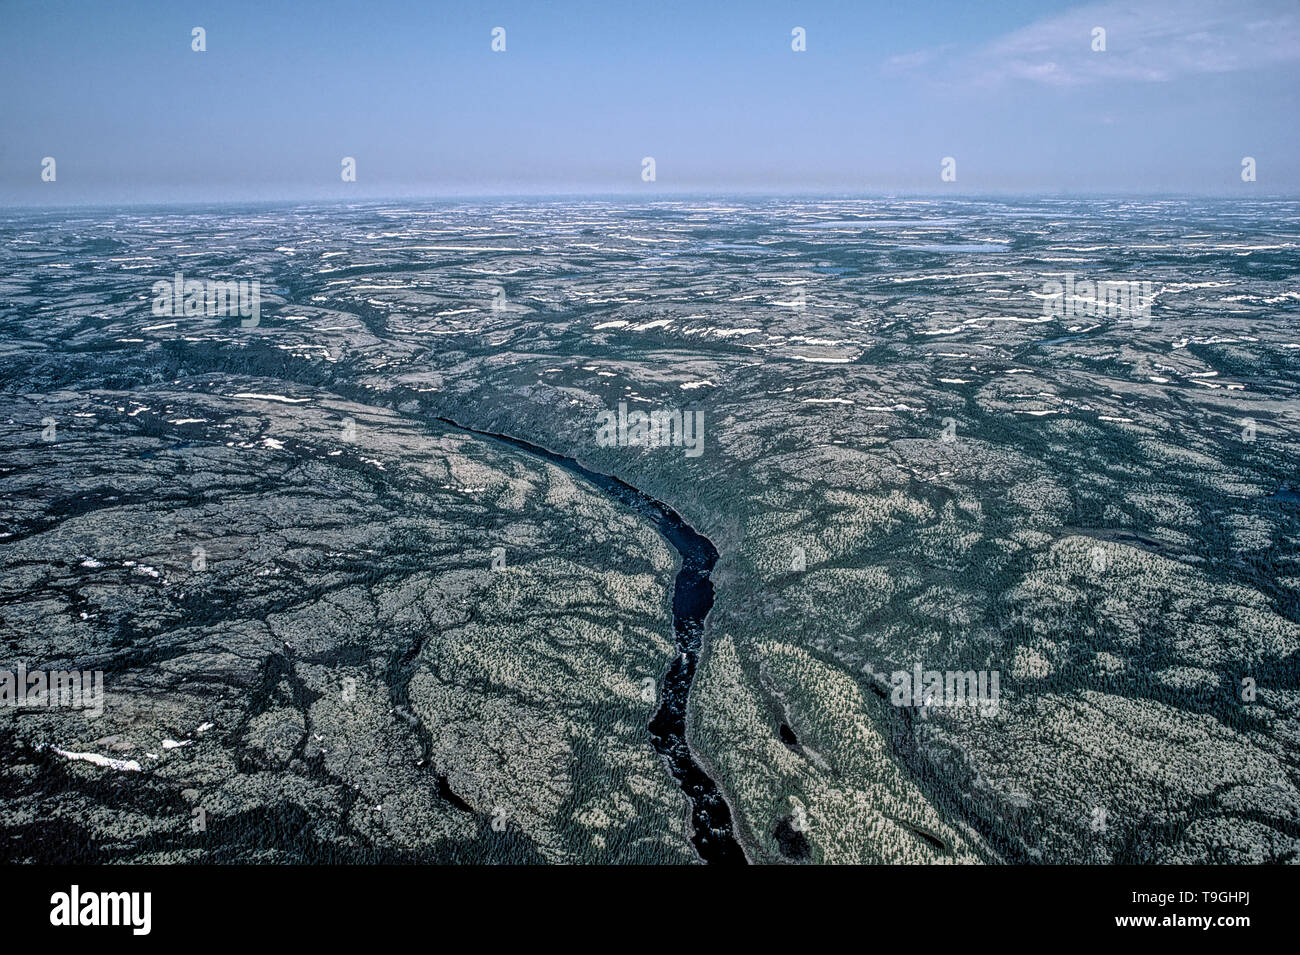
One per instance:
(662,196)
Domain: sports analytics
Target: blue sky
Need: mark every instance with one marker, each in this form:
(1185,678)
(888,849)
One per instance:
(585,90)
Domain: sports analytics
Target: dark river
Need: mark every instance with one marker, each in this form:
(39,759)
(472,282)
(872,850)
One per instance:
(692,601)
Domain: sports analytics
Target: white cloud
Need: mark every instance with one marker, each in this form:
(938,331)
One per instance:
(1156,42)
